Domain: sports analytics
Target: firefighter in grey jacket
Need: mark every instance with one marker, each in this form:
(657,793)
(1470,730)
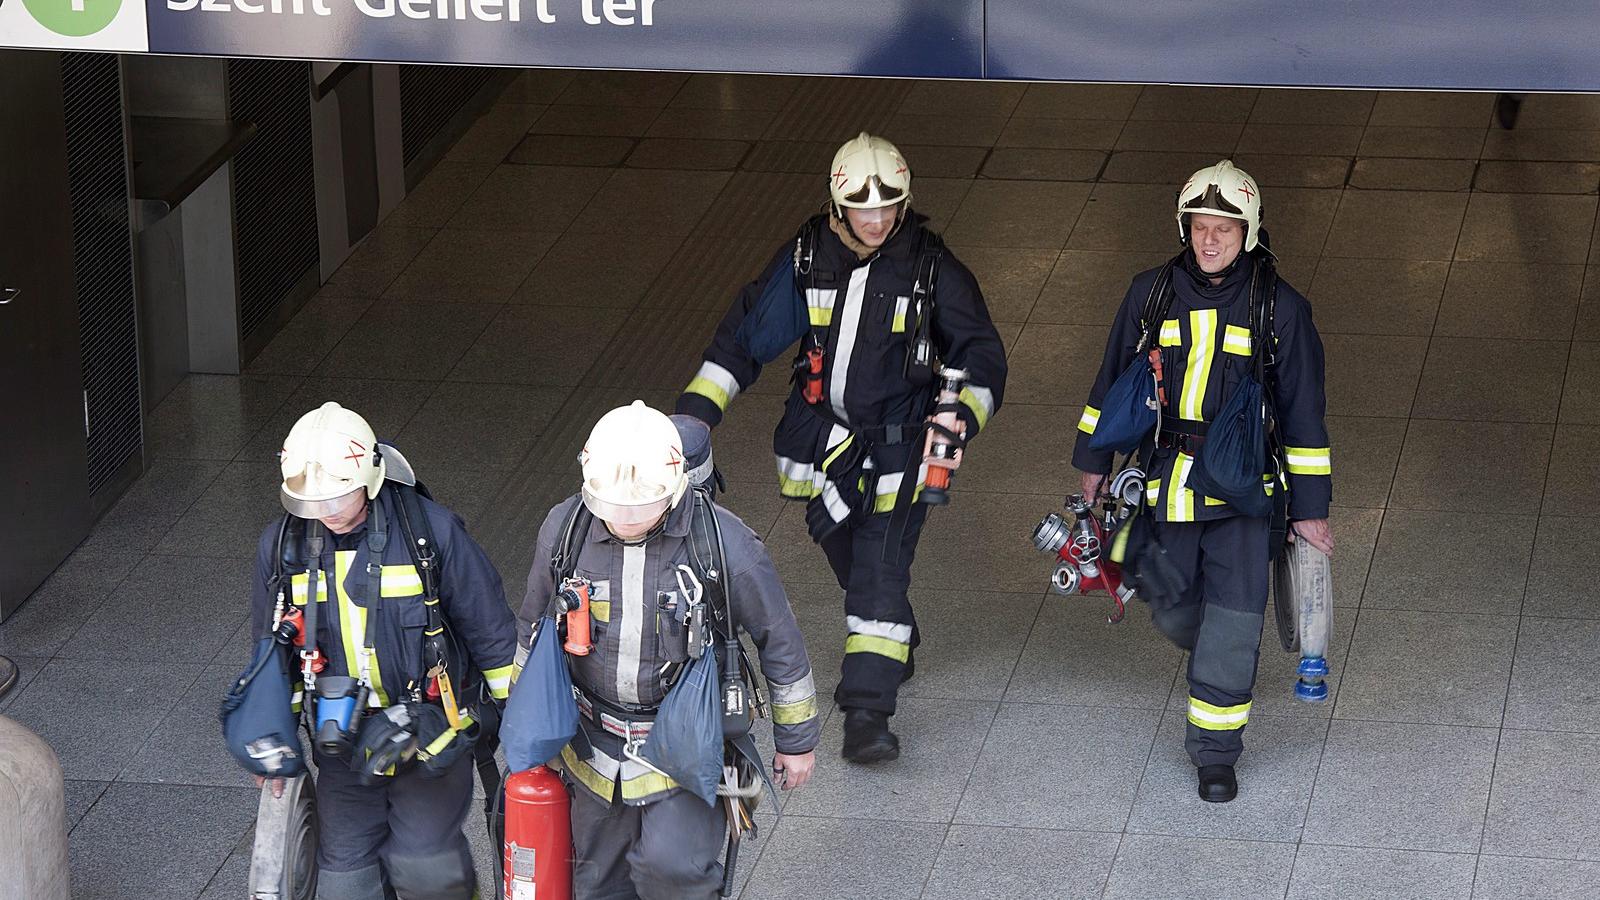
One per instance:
(636,833)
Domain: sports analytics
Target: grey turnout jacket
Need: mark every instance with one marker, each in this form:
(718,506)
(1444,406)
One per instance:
(635,592)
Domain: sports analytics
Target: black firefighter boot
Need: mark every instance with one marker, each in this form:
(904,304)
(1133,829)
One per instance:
(867,738)
(1218,784)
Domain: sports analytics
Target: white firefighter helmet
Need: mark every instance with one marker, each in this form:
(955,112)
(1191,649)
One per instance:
(329,454)
(868,173)
(1221,190)
(633,466)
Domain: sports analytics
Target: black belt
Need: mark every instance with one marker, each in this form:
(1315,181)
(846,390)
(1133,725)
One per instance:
(881,435)
(1186,435)
(631,711)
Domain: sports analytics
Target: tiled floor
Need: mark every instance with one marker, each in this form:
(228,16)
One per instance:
(573,251)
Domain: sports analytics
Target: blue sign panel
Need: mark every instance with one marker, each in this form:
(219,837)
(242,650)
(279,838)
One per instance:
(1466,44)
(1440,44)
(927,38)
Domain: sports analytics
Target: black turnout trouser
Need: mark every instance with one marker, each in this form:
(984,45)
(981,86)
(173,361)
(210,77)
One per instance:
(1218,619)
(882,627)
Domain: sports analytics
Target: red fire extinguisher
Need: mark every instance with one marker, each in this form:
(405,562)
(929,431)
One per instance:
(538,848)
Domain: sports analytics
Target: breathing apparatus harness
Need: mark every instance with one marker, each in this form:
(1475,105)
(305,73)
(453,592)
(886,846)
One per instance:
(919,368)
(427,723)
(1102,538)
(708,615)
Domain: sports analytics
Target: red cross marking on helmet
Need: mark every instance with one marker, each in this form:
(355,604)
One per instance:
(900,170)
(841,175)
(1246,190)
(674,458)
(356,451)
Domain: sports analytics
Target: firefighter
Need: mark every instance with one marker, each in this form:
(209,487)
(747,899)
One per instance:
(389,831)
(883,301)
(635,832)
(1206,345)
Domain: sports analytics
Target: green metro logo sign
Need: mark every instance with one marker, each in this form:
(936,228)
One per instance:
(73,18)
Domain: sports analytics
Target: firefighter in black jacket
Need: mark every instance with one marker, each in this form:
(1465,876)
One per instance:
(853,430)
(384,829)
(1205,346)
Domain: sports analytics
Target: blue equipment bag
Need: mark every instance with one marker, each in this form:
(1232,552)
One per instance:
(779,316)
(686,740)
(1233,461)
(541,716)
(1230,464)
(258,720)
(1130,410)
(777,320)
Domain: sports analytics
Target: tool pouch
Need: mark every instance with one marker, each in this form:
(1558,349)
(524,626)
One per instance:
(439,745)
(1152,573)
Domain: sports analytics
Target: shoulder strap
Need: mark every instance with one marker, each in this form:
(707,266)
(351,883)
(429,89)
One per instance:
(377,543)
(1156,305)
(418,535)
(290,540)
(564,557)
(1263,316)
(314,538)
(924,289)
(805,246)
(709,556)
(709,559)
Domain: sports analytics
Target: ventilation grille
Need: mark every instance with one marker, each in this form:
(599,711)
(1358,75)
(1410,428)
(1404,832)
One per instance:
(274,186)
(102,260)
(429,97)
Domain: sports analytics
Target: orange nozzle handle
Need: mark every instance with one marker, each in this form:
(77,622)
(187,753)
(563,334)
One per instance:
(938,478)
(579,639)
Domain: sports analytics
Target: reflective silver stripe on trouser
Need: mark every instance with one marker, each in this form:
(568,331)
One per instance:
(849,330)
(894,631)
(837,508)
(629,620)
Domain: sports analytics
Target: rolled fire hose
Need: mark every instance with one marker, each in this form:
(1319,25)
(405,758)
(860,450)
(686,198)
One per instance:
(1302,589)
(283,862)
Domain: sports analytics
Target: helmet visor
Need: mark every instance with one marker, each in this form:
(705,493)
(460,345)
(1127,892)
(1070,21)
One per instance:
(1212,199)
(873,192)
(626,514)
(323,508)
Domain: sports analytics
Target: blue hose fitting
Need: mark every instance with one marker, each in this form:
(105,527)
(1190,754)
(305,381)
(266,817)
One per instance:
(1311,688)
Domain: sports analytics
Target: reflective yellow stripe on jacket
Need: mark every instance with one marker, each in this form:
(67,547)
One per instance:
(398,581)
(600,775)
(793,703)
(715,384)
(1089,420)
(1309,460)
